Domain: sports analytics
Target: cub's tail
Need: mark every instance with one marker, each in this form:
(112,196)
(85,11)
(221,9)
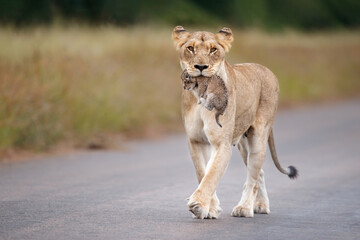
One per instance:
(292,172)
(217,114)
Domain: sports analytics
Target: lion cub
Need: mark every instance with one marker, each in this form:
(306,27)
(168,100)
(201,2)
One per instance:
(211,91)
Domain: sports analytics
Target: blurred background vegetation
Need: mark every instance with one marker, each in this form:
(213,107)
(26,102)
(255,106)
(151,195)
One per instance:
(270,14)
(83,72)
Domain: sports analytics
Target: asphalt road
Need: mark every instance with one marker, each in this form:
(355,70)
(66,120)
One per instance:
(140,193)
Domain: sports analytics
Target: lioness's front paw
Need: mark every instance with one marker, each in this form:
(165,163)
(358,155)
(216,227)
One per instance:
(198,209)
(215,209)
(261,207)
(242,211)
(214,212)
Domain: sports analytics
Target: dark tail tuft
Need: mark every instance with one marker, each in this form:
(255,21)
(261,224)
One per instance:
(293,172)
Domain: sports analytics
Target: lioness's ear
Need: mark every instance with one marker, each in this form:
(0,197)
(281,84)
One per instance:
(180,36)
(224,38)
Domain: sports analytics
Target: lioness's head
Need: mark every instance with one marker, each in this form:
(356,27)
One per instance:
(201,53)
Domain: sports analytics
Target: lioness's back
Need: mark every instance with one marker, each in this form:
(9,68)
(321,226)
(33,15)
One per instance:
(262,78)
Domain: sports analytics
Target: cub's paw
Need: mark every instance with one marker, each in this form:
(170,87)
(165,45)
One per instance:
(261,208)
(198,210)
(242,211)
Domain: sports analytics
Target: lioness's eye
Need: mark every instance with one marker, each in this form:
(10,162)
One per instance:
(190,48)
(212,50)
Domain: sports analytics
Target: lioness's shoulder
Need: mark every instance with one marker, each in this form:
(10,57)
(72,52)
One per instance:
(253,68)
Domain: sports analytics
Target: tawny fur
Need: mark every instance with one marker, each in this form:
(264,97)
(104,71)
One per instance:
(253,93)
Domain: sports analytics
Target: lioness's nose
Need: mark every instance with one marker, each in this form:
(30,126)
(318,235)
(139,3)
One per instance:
(201,67)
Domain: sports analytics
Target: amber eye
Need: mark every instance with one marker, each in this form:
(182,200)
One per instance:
(190,48)
(212,50)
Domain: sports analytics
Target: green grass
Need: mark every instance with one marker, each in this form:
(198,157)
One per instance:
(70,84)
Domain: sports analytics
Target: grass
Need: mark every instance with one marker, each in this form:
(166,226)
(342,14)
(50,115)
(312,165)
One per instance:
(73,84)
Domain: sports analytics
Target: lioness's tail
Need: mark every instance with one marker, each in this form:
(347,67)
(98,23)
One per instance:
(292,172)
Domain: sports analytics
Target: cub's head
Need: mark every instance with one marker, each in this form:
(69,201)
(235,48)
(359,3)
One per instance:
(189,83)
(201,53)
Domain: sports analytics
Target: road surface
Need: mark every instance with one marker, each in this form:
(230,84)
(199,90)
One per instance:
(140,193)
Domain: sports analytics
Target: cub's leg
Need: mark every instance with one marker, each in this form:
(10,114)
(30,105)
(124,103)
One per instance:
(257,140)
(203,202)
(261,204)
(209,103)
(200,154)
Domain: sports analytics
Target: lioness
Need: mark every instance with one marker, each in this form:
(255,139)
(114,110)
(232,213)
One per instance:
(211,92)
(252,103)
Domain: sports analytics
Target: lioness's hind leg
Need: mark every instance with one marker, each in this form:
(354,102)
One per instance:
(244,149)
(261,204)
(257,140)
